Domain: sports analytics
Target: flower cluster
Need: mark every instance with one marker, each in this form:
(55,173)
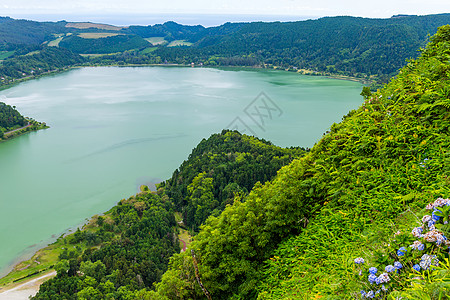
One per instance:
(428,260)
(440,202)
(429,242)
(417,245)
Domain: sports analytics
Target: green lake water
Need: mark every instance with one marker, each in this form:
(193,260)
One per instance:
(113,129)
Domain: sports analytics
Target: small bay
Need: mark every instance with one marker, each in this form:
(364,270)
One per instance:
(113,129)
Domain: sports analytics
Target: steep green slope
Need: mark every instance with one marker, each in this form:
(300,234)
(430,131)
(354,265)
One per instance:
(218,168)
(295,237)
(129,248)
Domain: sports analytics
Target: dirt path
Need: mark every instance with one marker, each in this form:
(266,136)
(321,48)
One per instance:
(25,289)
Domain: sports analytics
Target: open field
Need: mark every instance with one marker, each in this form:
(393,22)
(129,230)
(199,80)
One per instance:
(179,43)
(148,50)
(55,43)
(85,25)
(156,41)
(5,54)
(97,35)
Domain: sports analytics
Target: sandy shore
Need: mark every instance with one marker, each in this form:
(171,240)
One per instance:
(25,289)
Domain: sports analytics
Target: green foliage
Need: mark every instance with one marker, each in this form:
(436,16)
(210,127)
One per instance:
(44,60)
(14,32)
(296,236)
(121,266)
(112,44)
(10,118)
(220,167)
(337,45)
(399,163)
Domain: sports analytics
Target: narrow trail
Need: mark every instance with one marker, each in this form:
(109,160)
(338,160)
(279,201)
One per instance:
(184,245)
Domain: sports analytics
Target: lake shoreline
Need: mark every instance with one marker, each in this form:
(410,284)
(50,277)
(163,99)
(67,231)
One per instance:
(33,126)
(306,72)
(26,288)
(221,81)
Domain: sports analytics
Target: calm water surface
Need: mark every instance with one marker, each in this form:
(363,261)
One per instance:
(113,129)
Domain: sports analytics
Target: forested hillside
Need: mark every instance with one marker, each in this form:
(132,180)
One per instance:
(370,49)
(296,236)
(218,169)
(128,249)
(291,234)
(337,45)
(42,60)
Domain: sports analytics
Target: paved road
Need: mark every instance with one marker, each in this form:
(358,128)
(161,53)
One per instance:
(26,289)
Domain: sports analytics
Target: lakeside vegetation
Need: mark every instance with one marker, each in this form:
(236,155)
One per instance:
(12,123)
(371,50)
(291,234)
(297,235)
(125,237)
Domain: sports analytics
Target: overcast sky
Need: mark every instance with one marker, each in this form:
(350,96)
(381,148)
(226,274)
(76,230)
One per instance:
(318,8)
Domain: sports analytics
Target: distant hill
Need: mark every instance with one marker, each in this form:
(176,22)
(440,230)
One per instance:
(346,45)
(370,49)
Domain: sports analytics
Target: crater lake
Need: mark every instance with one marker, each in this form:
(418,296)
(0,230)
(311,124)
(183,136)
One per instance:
(113,129)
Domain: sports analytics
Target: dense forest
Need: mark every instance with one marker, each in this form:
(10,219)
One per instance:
(358,193)
(10,119)
(370,49)
(218,169)
(344,45)
(268,222)
(356,199)
(41,61)
(130,247)
(112,44)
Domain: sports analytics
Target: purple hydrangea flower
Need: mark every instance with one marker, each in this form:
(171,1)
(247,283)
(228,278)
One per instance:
(435,217)
(370,294)
(372,278)
(398,265)
(428,260)
(416,267)
(426,219)
(401,251)
(383,278)
(359,260)
(417,245)
(440,202)
(417,232)
(389,268)
(373,270)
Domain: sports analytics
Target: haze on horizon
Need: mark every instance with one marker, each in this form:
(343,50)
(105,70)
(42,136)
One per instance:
(253,10)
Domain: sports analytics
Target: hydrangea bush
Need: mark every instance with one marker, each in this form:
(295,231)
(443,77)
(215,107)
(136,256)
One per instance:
(409,256)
